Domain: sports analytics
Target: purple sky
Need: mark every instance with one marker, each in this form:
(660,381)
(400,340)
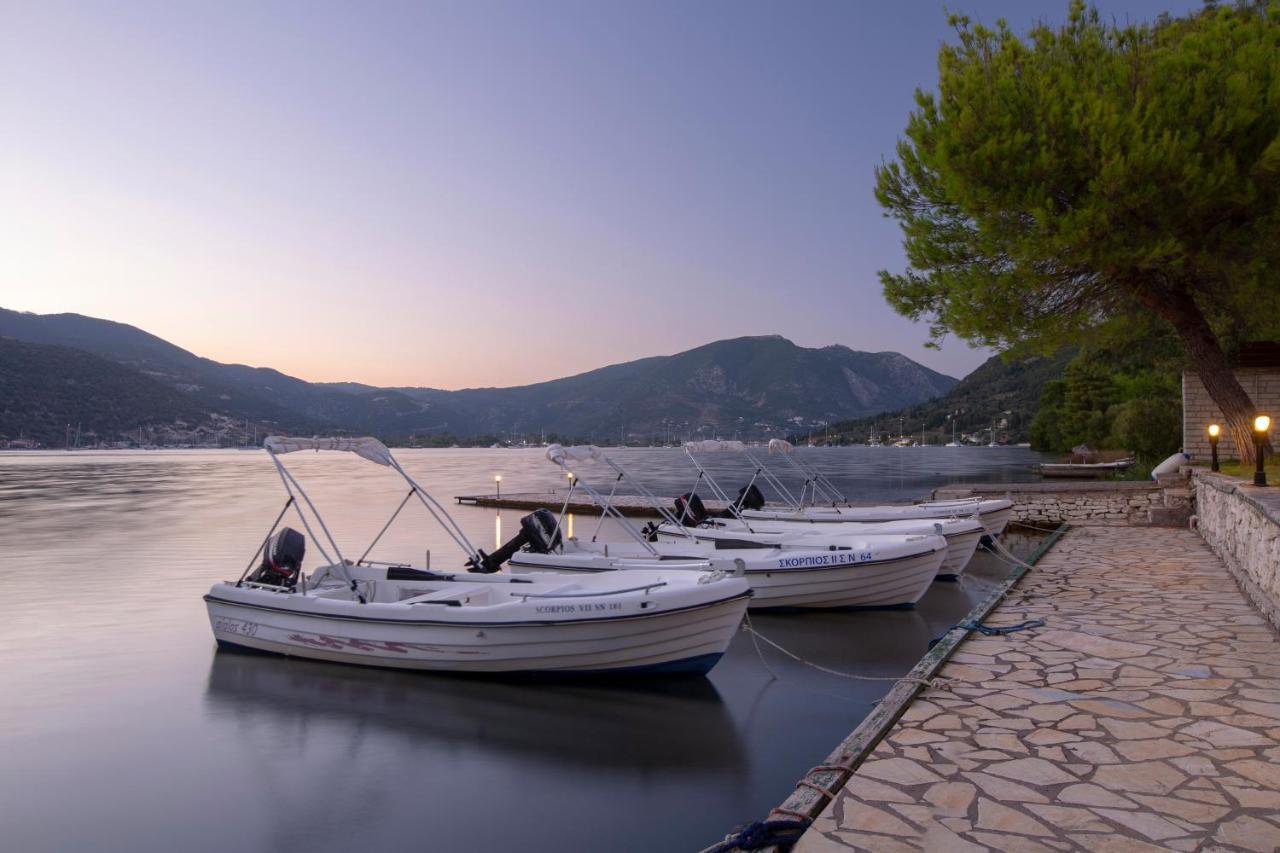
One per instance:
(466,193)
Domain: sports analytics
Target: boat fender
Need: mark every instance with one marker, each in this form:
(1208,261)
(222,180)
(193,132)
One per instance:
(1171,465)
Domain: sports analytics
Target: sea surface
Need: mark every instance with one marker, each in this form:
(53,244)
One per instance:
(122,728)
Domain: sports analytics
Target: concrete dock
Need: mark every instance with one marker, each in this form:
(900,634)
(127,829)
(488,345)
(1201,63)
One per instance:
(633,505)
(1144,715)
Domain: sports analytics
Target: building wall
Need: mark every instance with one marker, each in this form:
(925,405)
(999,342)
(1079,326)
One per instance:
(1199,410)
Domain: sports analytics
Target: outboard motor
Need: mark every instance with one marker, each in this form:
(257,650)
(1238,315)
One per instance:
(691,510)
(538,535)
(749,497)
(281,559)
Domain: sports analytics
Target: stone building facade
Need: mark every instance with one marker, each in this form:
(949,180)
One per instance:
(1259,372)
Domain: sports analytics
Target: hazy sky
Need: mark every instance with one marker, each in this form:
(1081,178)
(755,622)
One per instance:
(466,193)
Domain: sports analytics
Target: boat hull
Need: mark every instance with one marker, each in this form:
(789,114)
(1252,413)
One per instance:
(961,543)
(684,640)
(994,515)
(817,580)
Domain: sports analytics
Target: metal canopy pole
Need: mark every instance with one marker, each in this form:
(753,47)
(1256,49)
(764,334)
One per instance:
(386,526)
(442,517)
(288,503)
(607,508)
(715,487)
(289,485)
(663,512)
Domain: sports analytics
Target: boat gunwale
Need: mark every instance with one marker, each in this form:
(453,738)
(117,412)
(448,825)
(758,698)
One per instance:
(209,597)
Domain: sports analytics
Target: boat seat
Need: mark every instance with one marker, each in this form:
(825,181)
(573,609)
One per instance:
(452,597)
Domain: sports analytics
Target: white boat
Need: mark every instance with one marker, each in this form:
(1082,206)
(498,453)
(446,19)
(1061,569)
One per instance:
(395,615)
(963,535)
(871,571)
(994,514)
(1084,470)
(840,571)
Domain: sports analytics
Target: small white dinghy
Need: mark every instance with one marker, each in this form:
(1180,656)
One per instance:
(845,571)
(395,615)
(963,535)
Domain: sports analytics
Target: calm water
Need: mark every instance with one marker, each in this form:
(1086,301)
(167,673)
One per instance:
(122,728)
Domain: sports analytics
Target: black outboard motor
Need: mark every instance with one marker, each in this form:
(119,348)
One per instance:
(538,535)
(749,497)
(691,510)
(281,559)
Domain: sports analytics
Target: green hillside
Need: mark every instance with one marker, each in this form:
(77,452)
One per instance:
(44,389)
(999,392)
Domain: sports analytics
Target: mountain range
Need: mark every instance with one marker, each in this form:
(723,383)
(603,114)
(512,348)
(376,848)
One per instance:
(113,379)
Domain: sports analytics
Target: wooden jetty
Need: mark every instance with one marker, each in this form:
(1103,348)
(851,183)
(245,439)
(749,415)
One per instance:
(633,505)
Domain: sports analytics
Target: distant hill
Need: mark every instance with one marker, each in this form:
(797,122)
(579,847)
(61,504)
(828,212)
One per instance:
(1006,393)
(48,392)
(751,386)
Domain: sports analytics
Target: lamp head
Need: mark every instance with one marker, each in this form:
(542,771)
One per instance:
(1261,423)
(1214,429)
(497,478)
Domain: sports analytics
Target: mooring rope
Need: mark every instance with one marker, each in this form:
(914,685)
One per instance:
(762,833)
(935,683)
(1004,555)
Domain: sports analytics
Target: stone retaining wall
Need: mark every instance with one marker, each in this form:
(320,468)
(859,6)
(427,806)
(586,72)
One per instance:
(1241,523)
(1108,502)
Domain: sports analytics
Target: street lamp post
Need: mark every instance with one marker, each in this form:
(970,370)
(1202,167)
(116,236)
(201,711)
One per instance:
(497,485)
(1261,424)
(1214,432)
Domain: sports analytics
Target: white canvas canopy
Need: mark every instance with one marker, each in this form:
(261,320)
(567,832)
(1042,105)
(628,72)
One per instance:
(366,448)
(714,445)
(780,445)
(560,454)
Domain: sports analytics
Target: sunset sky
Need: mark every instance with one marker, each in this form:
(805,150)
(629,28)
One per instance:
(466,193)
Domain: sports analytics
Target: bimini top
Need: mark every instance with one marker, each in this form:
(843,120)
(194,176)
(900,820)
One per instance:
(714,445)
(780,445)
(560,454)
(367,447)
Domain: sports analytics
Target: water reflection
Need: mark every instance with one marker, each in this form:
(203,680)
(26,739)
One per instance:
(670,725)
(112,697)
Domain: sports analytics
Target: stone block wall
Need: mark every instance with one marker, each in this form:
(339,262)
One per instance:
(1199,410)
(1241,523)
(1120,502)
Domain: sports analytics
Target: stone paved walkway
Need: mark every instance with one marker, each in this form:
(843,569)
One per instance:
(1145,715)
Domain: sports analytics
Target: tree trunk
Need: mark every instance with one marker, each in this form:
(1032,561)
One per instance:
(1179,308)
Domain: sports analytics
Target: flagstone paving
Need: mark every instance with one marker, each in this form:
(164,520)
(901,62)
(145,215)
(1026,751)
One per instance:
(1145,715)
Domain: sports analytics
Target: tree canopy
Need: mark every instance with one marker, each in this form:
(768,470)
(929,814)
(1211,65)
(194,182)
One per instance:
(1097,180)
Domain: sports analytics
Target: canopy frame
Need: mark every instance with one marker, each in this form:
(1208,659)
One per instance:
(374,451)
(607,507)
